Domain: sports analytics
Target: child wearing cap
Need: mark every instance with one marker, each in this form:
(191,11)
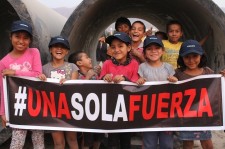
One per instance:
(122,24)
(155,70)
(58,68)
(137,33)
(21,61)
(120,68)
(192,62)
(86,72)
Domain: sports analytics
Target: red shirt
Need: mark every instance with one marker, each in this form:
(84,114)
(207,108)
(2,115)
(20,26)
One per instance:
(128,70)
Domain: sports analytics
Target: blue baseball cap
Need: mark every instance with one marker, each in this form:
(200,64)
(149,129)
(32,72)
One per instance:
(118,35)
(21,26)
(190,46)
(152,39)
(59,40)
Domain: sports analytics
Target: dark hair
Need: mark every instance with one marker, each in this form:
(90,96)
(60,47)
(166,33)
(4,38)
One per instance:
(163,34)
(182,66)
(140,23)
(172,22)
(74,57)
(122,20)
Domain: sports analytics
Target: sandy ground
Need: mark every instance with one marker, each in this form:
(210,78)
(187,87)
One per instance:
(218,139)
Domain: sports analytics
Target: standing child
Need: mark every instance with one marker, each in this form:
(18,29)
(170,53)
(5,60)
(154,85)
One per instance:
(137,33)
(59,69)
(21,61)
(120,68)
(86,72)
(155,70)
(123,25)
(192,62)
(172,45)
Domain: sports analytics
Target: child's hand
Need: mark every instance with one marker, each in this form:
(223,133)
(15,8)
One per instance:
(42,77)
(97,69)
(172,79)
(108,78)
(90,74)
(222,72)
(61,81)
(101,39)
(118,78)
(8,72)
(141,81)
(149,32)
(135,52)
(3,121)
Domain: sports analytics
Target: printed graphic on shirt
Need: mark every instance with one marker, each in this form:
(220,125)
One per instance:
(58,74)
(26,66)
(171,57)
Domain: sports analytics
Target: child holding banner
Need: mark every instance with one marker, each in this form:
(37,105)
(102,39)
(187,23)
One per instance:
(59,69)
(21,61)
(155,70)
(120,68)
(192,62)
(86,72)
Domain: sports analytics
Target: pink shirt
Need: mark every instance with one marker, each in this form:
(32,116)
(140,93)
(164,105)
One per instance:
(29,64)
(130,71)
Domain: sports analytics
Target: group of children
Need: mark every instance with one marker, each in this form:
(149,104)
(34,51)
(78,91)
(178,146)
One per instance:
(131,60)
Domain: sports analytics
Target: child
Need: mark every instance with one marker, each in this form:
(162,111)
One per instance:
(155,70)
(161,35)
(123,25)
(137,33)
(192,62)
(59,69)
(86,72)
(119,68)
(21,61)
(172,45)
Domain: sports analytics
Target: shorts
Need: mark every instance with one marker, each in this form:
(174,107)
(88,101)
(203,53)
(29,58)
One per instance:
(194,135)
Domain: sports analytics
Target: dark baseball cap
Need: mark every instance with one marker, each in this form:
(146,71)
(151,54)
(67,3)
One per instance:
(152,39)
(190,46)
(118,35)
(59,40)
(21,26)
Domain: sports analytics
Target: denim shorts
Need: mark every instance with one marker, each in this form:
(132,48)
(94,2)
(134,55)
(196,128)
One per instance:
(194,135)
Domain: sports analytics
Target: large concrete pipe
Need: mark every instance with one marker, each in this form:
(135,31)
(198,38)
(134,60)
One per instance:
(45,22)
(92,17)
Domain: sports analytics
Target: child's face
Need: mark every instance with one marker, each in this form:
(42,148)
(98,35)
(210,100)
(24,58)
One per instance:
(153,53)
(20,40)
(119,50)
(58,51)
(137,32)
(123,28)
(174,33)
(192,60)
(85,61)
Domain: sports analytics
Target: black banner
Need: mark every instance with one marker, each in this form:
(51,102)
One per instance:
(106,107)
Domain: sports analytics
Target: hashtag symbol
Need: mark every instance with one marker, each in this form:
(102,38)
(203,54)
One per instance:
(20,97)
